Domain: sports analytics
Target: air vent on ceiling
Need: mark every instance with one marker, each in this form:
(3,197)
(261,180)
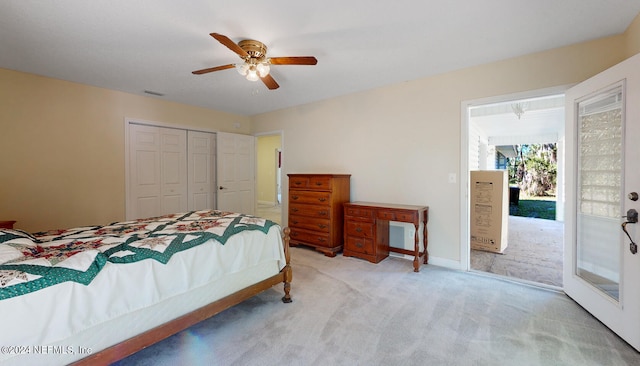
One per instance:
(151,92)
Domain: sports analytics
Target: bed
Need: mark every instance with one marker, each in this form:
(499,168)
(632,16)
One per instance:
(94,295)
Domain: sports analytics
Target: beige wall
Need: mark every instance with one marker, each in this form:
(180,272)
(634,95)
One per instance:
(266,168)
(62,148)
(62,143)
(401,142)
(632,37)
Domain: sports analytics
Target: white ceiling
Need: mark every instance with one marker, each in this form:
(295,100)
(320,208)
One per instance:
(542,120)
(154,45)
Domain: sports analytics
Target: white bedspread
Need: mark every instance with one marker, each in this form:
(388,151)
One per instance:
(56,315)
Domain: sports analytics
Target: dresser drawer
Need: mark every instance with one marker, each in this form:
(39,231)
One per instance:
(358,212)
(317,198)
(320,183)
(359,245)
(358,228)
(309,237)
(298,182)
(309,223)
(310,210)
(402,216)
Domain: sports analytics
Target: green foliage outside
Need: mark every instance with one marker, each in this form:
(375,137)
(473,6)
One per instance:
(534,170)
(541,209)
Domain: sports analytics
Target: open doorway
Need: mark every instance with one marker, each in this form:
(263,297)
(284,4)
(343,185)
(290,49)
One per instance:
(269,176)
(524,138)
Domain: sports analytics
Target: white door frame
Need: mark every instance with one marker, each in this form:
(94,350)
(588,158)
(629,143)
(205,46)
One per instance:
(465,260)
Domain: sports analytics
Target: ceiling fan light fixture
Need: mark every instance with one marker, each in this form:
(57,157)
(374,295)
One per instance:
(242,69)
(263,69)
(255,63)
(252,74)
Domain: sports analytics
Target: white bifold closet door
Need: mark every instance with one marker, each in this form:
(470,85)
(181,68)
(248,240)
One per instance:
(170,170)
(201,170)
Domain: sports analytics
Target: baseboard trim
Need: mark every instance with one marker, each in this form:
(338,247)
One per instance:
(436,261)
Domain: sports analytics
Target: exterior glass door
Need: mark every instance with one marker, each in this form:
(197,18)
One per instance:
(601,265)
(599,197)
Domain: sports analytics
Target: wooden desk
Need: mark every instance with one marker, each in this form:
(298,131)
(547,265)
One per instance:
(366,230)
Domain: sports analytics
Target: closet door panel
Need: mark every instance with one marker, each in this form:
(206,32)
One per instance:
(157,171)
(201,171)
(144,166)
(174,170)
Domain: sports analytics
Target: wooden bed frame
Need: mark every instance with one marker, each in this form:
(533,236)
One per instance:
(144,340)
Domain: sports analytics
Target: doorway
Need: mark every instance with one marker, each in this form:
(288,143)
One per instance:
(269,176)
(523,136)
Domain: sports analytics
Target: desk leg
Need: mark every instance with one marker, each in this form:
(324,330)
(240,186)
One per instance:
(425,236)
(416,259)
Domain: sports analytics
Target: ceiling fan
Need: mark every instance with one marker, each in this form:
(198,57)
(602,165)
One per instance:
(256,64)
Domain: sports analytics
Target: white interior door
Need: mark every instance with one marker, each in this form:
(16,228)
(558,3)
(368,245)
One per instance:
(602,134)
(144,175)
(202,184)
(236,172)
(173,162)
(157,173)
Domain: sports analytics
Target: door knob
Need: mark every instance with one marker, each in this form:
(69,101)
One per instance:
(633,196)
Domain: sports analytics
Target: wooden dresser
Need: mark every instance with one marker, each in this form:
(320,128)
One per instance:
(315,210)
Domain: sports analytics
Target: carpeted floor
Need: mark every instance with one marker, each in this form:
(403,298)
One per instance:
(534,252)
(272,212)
(347,311)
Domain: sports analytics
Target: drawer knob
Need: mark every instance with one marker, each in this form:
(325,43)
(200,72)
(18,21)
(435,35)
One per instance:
(297,183)
(359,244)
(318,183)
(322,240)
(295,197)
(294,209)
(359,229)
(322,199)
(322,226)
(323,213)
(295,221)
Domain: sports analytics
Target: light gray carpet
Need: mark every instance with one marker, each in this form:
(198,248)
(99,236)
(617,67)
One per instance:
(346,311)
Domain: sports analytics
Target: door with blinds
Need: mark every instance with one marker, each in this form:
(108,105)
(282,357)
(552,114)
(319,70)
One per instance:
(601,262)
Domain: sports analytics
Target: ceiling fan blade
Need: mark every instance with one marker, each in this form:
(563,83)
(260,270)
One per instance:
(294,60)
(270,82)
(230,44)
(212,69)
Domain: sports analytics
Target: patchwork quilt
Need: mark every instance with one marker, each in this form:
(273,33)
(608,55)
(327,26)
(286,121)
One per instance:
(29,262)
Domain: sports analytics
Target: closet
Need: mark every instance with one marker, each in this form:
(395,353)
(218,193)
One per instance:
(169,170)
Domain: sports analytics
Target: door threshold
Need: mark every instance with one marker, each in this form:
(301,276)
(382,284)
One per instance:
(520,281)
